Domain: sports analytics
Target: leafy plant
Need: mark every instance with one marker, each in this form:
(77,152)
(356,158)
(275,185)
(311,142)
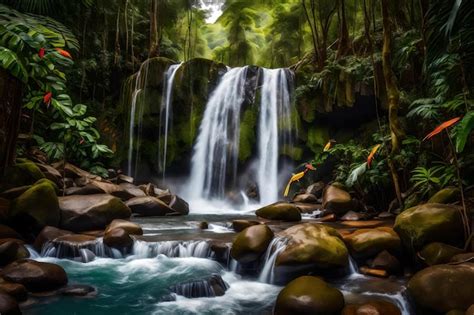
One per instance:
(429,180)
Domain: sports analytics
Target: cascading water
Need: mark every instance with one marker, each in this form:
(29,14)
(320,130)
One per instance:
(275,125)
(217,147)
(277,245)
(166,115)
(198,249)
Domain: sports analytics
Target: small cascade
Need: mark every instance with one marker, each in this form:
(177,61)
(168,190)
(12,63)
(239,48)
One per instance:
(198,249)
(274,131)
(211,287)
(277,245)
(84,252)
(166,115)
(353,268)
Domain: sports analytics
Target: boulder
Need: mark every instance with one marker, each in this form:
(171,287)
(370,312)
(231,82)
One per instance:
(8,305)
(442,288)
(88,189)
(240,225)
(21,174)
(73,171)
(78,290)
(121,178)
(14,192)
(470,310)
(337,200)
(313,244)
(280,211)
(51,173)
(305,198)
(48,234)
(446,195)
(38,204)
(127,226)
(438,253)
(251,243)
(372,308)
(8,232)
(431,222)
(203,225)
(16,290)
(386,261)
(35,276)
(148,206)
(309,295)
(467,257)
(132,190)
(316,189)
(179,205)
(90,212)
(366,243)
(118,238)
(113,189)
(12,250)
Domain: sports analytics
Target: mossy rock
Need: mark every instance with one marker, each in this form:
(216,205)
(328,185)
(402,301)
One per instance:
(379,307)
(313,244)
(248,131)
(251,243)
(309,295)
(430,222)
(317,139)
(40,203)
(446,195)
(21,174)
(438,253)
(280,211)
(443,288)
(366,243)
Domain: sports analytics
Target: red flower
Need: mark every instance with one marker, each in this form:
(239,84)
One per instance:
(441,127)
(372,155)
(82,141)
(47,98)
(64,53)
(41,52)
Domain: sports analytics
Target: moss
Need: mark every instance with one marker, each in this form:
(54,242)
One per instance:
(280,211)
(248,133)
(446,195)
(21,174)
(251,243)
(438,253)
(317,138)
(292,151)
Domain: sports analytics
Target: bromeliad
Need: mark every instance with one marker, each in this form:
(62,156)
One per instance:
(297,177)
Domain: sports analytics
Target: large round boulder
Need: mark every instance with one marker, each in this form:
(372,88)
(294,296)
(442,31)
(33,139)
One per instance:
(12,250)
(148,206)
(366,243)
(430,222)
(48,234)
(280,211)
(179,205)
(438,253)
(442,288)
(39,204)
(127,226)
(8,305)
(446,195)
(309,295)
(251,243)
(16,290)
(91,212)
(34,275)
(372,308)
(337,200)
(313,244)
(240,225)
(21,174)
(118,238)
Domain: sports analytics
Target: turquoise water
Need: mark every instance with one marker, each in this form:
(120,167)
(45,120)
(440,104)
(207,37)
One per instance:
(135,286)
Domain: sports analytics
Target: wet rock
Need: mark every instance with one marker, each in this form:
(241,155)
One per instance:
(148,189)
(124,179)
(328,218)
(387,262)
(337,200)
(148,206)
(114,190)
(316,189)
(372,308)
(385,215)
(313,244)
(309,295)
(467,257)
(35,276)
(15,192)
(280,211)
(470,310)
(203,225)
(305,198)
(438,253)
(83,213)
(118,238)
(456,312)
(179,205)
(51,173)
(308,207)
(132,190)
(12,250)
(67,182)
(442,288)
(73,171)
(354,216)
(211,287)
(366,243)
(8,305)
(79,290)
(39,204)
(373,272)
(251,243)
(431,222)
(88,189)
(240,225)
(8,232)
(20,174)
(48,234)
(446,195)
(15,290)
(129,227)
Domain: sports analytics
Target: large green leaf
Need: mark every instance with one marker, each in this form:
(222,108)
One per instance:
(12,63)
(463,130)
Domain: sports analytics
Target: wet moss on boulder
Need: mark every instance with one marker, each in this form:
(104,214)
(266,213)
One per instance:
(280,211)
(251,243)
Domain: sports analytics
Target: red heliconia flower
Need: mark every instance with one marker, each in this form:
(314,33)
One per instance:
(41,52)
(64,53)
(441,127)
(47,98)
(372,155)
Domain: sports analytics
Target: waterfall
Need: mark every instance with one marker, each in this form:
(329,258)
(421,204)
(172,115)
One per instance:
(84,252)
(275,126)
(217,147)
(277,245)
(166,115)
(198,249)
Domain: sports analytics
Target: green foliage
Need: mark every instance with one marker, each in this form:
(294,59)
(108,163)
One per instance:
(464,130)
(427,181)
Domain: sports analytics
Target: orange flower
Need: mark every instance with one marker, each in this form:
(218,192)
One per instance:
(64,53)
(47,98)
(372,154)
(441,127)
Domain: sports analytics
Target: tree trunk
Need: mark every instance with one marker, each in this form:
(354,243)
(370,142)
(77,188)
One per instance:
(10,113)
(344,45)
(154,36)
(393,96)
